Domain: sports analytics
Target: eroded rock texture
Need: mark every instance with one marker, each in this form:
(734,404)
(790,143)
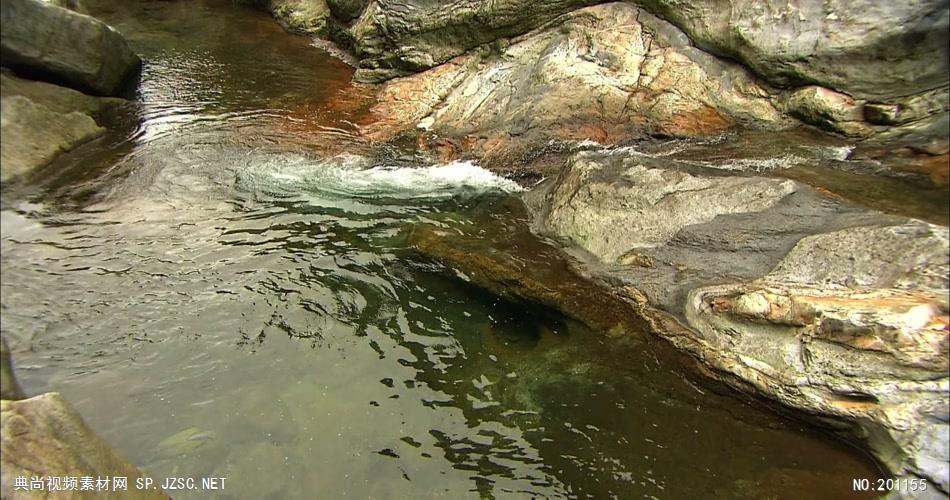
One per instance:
(304,17)
(832,309)
(851,324)
(606,73)
(868,49)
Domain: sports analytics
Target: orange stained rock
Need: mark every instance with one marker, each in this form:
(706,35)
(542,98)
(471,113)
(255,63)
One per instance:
(703,121)
(937,169)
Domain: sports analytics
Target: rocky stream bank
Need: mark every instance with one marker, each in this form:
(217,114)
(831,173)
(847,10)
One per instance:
(761,184)
(780,265)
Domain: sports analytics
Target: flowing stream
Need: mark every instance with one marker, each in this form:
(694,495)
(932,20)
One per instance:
(223,288)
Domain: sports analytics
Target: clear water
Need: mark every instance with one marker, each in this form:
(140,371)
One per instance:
(223,288)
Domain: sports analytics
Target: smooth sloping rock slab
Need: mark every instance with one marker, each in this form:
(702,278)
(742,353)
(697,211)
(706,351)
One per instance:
(45,436)
(610,205)
(511,263)
(866,48)
(66,47)
(41,120)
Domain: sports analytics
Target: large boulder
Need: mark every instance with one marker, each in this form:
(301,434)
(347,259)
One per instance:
(40,121)
(867,49)
(853,325)
(398,37)
(44,436)
(834,310)
(347,10)
(57,44)
(607,73)
(33,135)
(302,17)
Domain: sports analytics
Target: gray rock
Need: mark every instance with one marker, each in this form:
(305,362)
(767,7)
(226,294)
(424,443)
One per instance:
(914,257)
(45,436)
(66,47)
(610,205)
(829,110)
(60,99)
(73,5)
(9,388)
(33,135)
(837,311)
(303,17)
(607,73)
(41,120)
(859,334)
(867,49)
(398,37)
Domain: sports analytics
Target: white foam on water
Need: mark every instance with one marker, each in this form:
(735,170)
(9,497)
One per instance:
(351,176)
(840,153)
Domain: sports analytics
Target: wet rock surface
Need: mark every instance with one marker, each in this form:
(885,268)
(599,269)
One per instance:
(45,436)
(847,326)
(829,308)
(398,37)
(866,49)
(606,73)
(516,266)
(40,121)
(54,43)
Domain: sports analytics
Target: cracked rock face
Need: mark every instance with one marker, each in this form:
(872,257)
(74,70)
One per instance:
(606,73)
(852,324)
(831,309)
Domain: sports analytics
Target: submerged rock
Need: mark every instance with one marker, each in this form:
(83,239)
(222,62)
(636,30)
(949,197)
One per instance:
(303,17)
(867,49)
(54,43)
(9,388)
(44,436)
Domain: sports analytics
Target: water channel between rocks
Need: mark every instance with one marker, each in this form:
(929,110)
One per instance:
(226,290)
